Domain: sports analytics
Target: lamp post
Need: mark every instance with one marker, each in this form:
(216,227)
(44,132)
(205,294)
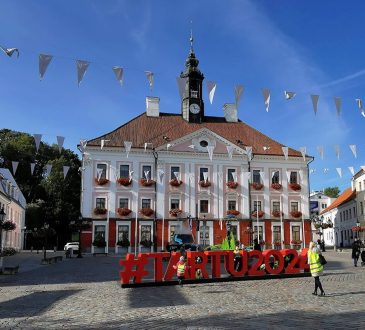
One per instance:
(2,217)
(79,225)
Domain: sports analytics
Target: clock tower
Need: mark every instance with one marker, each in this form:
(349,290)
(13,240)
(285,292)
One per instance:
(192,107)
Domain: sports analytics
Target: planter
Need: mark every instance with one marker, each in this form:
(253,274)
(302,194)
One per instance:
(175,212)
(276,186)
(175,183)
(232,184)
(146,211)
(101,182)
(124,181)
(204,184)
(146,183)
(257,186)
(296,242)
(260,214)
(100,211)
(276,214)
(123,211)
(295,186)
(296,214)
(233,212)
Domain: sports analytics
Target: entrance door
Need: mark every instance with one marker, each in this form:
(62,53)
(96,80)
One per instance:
(206,233)
(146,236)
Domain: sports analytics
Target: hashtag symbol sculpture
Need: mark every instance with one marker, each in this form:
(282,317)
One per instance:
(133,268)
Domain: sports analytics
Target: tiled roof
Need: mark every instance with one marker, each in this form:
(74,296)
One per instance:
(346,196)
(144,129)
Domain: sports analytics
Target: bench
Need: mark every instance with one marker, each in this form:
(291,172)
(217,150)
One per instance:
(10,270)
(51,260)
(96,253)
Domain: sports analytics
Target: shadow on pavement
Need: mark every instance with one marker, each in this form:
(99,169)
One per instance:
(344,294)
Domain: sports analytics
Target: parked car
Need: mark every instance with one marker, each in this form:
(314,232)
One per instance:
(72,245)
(182,239)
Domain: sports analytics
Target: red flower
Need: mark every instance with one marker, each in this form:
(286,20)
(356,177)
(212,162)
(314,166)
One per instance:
(100,211)
(101,182)
(124,181)
(123,211)
(277,243)
(204,184)
(175,212)
(175,182)
(233,212)
(257,186)
(146,211)
(295,186)
(276,186)
(146,183)
(276,213)
(296,242)
(232,184)
(296,214)
(260,214)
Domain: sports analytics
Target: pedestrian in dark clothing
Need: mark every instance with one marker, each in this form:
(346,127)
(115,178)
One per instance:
(256,245)
(355,252)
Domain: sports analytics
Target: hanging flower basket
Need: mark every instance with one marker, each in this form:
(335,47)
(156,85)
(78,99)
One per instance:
(175,212)
(124,211)
(296,214)
(99,211)
(295,186)
(124,181)
(296,241)
(356,229)
(232,184)
(146,211)
(204,184)
(8,225)
(260,214)
(276,186)
(276,214)
(257,186)
(146,183)
(233,212)
(101,182)
(175,182)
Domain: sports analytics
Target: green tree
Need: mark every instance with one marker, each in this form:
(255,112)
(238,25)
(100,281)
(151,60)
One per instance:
(332,192)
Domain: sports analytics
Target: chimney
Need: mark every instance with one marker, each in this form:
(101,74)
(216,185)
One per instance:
(152,106)
(230,112)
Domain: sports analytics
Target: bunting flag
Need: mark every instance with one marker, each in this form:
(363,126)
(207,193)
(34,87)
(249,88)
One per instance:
(337,151)
(360,106)
(266,95)
(339,171)
(289,95)
(285,152)
(147,175)
(192,178)
(48,170)
(32,166)
(338,103)
(83,144)
(287,175)
(262,175)
(82,66)
(168,146)
(145,146)
(320,150)
(315,103)
(303,151)
(234,176)
(102,143)
(273,173)
(65,171)
(60,141)
(246,176)
(325,170)
(37,140)
(177,175)
(118,71)
(127,146)
(192,146)
(44,61)
(205,176)
(181,83)
(131,175)
(230,151)
(301,176)
(210,152)
(312,170)
(15,166)
(352,171)
(99,172)
(211,85)
(150,78)
(10,51)
(238,90)
(249,152)
(353,149)
(160,174)
(265,148)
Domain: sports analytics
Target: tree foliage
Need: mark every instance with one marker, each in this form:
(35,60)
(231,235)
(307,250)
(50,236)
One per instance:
(332,192)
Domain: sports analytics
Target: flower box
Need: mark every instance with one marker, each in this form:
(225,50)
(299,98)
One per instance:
(99,242)
(204,184)
(295,186)
(232,184)
(233,212)
(100,211)
(101,182)
(124,242)
(277,243)
(257,186)
(276,214)
(8,226)
(146,211)
(296,214)
(175,212)
(146,183)
(146,243)
(296,242)
(123,211)
(276,186)
(125,181)
(260,214)
(175,182)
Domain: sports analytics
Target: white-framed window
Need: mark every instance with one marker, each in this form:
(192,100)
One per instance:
(276,206)
(276,233)
(123,232)
(204,206)
(100,202)
(232,205)
(295,233)
(256,177)
(99,231)
(260,234)
(257,205)
(293,177)
(146,232)
(230,175)
(175,203)
(124,171)
(146,203)
(275,176)
(294,206)
(101,167)
(147,172)
(174,169)
(124,202)
(203,170)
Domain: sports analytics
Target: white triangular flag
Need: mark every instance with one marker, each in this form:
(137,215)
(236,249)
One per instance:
(210,152)
(337,151)
(339,171)
(238,90)
(312,170)
(359,104)
(266,95)
(65,171)
(289,95)
(15,166)
(168,146)
(315,103)
(147,175)
(181,83)
(83,144)
(127,146)
(102,143)
(325,170)
(262,175)
(192,146)
(37,140)
(44,61)
(118,71)
(177,175)
(81,70)
(32,166)
(273,173)
(288,175)
(230,151)
(285,152)
(48,169)
(161,174)
(234,176)
(10,51)
(246,176)
(352,171)
(303,151)
(145,146)
(301,176)
(205,176)
(192,178)
(249,152)
(150,78)
(320,150)
(99,172)
(338,103)
(131,175)
(353,149)
(60,140)
(211,90)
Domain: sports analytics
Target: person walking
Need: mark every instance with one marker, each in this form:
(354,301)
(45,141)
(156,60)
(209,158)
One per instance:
(181,268)
(237,258)
(355,251)
(316,268)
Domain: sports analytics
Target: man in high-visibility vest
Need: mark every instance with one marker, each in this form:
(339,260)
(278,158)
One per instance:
(316,268)
(181,269)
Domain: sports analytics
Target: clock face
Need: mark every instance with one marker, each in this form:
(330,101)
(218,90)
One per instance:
(194,108)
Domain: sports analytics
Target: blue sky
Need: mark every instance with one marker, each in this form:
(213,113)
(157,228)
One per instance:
(310,47)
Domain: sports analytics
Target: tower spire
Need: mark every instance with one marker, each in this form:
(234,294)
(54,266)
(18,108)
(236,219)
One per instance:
(191,37)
